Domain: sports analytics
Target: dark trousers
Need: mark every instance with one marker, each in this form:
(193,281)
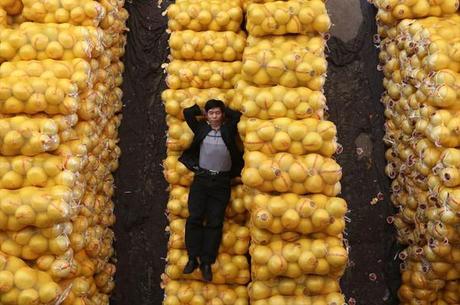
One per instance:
(207,201)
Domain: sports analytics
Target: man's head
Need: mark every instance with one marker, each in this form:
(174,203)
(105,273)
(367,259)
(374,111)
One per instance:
(214,112)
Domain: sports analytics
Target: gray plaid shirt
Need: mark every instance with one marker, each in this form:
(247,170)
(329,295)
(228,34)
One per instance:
(214,154)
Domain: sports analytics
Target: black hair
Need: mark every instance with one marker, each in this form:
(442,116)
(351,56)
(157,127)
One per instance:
(214,104)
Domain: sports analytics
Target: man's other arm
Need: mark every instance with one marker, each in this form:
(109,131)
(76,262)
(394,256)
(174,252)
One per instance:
(232,116)
(190,115)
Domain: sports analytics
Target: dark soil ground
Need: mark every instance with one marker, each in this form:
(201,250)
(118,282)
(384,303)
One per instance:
(353,90)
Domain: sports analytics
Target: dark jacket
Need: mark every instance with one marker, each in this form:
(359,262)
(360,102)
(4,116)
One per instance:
(191,157)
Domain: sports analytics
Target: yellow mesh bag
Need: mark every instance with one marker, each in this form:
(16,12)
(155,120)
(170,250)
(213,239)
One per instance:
(325,256)
(298,137)
(287,17)
(285,172)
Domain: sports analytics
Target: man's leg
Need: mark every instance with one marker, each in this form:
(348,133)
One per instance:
(194,226)
(218,198)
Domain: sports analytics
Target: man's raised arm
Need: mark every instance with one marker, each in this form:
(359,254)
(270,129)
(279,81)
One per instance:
(190,115)
(233,116)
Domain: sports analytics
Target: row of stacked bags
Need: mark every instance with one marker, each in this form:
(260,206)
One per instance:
(419,43)
(291,179)
(206,47)
(60,103)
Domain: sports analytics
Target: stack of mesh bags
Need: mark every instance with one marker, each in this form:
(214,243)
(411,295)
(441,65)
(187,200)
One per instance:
(418,59)
(206,46)
(60,98)
(290,177)
(391,12)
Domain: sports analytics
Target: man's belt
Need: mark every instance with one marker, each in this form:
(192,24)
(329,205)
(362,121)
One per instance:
(211,172)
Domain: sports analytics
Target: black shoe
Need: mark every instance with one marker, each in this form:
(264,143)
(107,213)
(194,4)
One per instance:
(206,272)
(192,264)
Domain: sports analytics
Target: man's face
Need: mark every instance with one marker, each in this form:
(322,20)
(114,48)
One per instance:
(215,116)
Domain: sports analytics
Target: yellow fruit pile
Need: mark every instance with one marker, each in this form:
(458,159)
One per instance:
(27,136)
(176,173)
(418,282)
(202,75)
(32,206)
(279,102)
(284,286)
(246,3)
(179,134)
(284,172)
(287,61)
(30,243)
(390,12)
(50,41)
(440,90)
(207,45)
(207,15)
(60,73)
(332,298)
(326,256)
(287,17)
(33,94)
(298,137)
(106,14)
(22,284)
(83,12)
(420,64)
(296,222)
(78,70)
(448,168)
(293,213)
(190,292)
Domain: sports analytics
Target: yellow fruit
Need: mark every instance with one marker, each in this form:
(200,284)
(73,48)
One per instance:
(321,218)
(297,131)
(322,23)
(312,141)
(281,141)
(266,132)
(297,172)
(282,183)
(281,17)
(262,219)
(25,215)
(307,261)
(306,15)
(251,177)
(337,207)
(6,281)
(331,172)
(290,219)
(261,255)
(277,206)
(11,296)
(28,297)
(25,278)
(277,265)
(7,52)
(337,256)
